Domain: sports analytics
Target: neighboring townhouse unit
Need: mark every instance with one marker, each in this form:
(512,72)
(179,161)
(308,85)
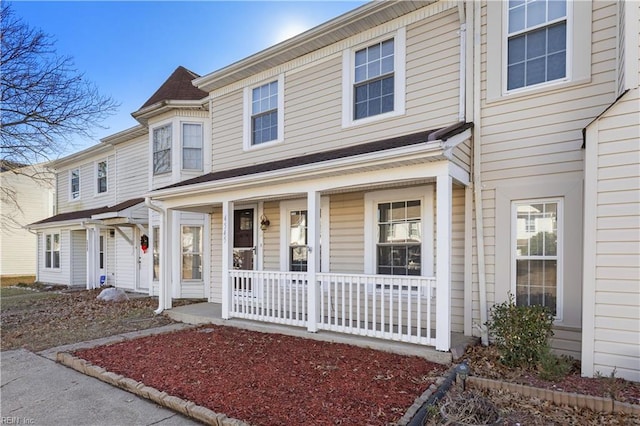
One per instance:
(27,195)
(396,171)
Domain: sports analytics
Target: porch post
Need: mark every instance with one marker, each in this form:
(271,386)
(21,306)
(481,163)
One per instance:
(92,254)
(443,263)
(313,260)
(227,256)
(166,239)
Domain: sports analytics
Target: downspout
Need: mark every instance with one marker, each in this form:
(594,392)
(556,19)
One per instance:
(477,181)
(161,278)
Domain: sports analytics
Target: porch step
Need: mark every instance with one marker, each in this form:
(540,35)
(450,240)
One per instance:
(211,313)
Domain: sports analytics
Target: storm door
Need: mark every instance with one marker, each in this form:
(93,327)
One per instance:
(244,249)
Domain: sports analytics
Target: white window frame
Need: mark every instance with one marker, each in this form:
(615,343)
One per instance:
(71,192)
(192,252)
(286,207)
(155,252)
(348,79)
(49,254)
(247,141)
(569,47)
(97,176)
(182,147)
(153,150)
(579,48)
(559,247)
(372,199)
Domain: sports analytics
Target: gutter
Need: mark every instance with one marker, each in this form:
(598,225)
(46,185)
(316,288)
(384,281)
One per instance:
(477,180)
(162,278)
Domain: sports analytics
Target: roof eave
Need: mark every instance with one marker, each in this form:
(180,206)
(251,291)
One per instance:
(144,114)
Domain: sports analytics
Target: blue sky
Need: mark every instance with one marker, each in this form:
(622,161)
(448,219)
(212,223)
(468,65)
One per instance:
(129,48)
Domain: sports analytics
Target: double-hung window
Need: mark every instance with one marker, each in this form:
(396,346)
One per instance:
(374,80)
(191,146)
(101,180)
(264,113)
(162,149)
(52,251)
(536,248)
(192,252)
(536,42)
(399,242)
(75,184)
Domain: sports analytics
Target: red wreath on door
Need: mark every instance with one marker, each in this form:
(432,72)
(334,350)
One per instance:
(144,243)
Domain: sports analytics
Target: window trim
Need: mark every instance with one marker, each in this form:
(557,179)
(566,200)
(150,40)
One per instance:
(155,252)
(579,46)
(200,253)
(559,248)
(96,176)
(246,114)
(153,151)
(423,193)
(49,254)
(182,147)
(71,197)
(399,72)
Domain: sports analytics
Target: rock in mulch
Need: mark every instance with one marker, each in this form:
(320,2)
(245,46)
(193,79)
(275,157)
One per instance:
(113,295)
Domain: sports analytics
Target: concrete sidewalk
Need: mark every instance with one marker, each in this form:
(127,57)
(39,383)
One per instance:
(38,391)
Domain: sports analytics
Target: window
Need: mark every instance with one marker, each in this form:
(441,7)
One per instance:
(192,252)
(374,87)
(191,146)
(101,182)
(75,184)
(536,42)
(156,253)
(374,80)
(298,250)
(162,149)
(536,259)
(52,251)
(264,113)
(399,242)
(101,256)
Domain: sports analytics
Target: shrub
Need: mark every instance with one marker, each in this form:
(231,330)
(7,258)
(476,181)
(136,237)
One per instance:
(520,333)
(552,367)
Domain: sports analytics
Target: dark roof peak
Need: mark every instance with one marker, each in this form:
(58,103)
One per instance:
(177,87)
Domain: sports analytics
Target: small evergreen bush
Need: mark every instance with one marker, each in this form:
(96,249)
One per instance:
(552,367)
(521,333)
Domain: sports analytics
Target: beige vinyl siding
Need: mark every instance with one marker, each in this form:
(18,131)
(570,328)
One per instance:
(346,233)
(33,202)
(132,169)
(621,47)
(567,341)
(457,259)
(215,293)
(78,258)
(313,101)
(617,240)
(271,237)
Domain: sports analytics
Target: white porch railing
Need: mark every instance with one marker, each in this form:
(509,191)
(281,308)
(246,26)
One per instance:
(279,297)
(389,307)
(399,308)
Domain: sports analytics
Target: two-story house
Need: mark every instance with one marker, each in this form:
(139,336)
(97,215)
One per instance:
(396,171)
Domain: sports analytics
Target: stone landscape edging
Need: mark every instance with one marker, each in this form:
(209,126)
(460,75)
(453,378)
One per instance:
(571,399)
(187,408)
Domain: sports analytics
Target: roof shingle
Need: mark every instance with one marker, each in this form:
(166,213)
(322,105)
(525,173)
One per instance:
(177,87)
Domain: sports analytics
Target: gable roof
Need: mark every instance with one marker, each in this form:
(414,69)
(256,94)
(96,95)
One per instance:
(88,213)
(349,151)
(177,87)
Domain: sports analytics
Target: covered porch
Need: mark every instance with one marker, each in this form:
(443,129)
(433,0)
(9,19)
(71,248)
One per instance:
(396,285)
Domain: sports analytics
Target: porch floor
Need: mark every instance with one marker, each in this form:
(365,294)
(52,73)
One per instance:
(211,313)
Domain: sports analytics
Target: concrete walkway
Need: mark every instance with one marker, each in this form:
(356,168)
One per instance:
(35,390)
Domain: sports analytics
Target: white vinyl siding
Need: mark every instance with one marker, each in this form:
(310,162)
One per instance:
(79,258)
(127,260)
(132,178)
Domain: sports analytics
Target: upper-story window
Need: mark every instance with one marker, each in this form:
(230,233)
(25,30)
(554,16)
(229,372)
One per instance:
(74,187)
(536,42)
(191,146)
(101,177)
(264,114)
(374,80)
(162,149)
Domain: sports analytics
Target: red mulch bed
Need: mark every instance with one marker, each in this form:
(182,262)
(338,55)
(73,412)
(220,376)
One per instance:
(270,379)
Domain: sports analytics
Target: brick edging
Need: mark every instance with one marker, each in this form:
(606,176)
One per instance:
(594,403)
(187,408)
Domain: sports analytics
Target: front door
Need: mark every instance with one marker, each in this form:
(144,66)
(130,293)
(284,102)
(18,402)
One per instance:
(244,249)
